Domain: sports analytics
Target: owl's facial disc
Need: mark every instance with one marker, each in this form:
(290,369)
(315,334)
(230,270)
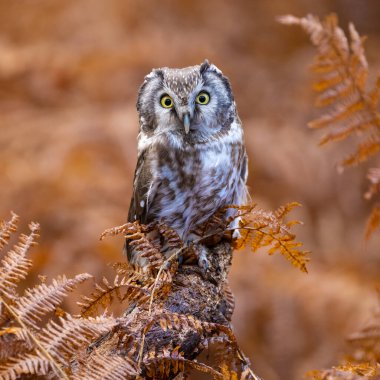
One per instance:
(196,102)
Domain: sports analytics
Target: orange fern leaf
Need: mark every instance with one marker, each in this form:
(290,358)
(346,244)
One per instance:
(62,340)
(121,289)
(171,361)
(15,265)
(7,228)
(343,67)
(105,367)
(348,371)
(42,299)
(25,365)
(259,229)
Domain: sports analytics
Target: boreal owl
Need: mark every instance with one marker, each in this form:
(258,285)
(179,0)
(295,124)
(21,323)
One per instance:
(191,155)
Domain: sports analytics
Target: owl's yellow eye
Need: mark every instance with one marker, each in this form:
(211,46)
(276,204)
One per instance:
(167,101)
(203,98)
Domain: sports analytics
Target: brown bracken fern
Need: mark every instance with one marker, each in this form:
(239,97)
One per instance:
(259,229)
(28,347)
(351,109)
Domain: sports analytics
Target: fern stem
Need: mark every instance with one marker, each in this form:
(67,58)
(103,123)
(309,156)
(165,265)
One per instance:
(56,367)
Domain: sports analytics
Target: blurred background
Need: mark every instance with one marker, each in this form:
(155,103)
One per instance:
(69,75)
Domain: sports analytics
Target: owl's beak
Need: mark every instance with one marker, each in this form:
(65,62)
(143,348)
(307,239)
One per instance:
(186,122)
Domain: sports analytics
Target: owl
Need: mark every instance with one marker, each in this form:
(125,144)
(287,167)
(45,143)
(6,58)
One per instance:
(191,155)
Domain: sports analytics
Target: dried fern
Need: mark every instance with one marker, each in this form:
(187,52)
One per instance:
(343,69)
(171,361)
(27,364)
(259,228)
(63,340)
(31,349)
(183,323)
(125,288)
(348,371)
(42,299)
(7,228)
(136,235)
(15,265)
(106,367)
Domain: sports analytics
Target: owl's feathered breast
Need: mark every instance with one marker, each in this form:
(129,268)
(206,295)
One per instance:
(183,184)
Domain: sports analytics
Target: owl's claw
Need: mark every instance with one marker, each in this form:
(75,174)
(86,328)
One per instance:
(203,261)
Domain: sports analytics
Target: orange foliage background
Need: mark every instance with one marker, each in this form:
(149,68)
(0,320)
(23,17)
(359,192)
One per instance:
(69,75)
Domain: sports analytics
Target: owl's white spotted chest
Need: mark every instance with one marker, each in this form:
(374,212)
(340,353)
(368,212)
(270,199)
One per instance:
(194,182)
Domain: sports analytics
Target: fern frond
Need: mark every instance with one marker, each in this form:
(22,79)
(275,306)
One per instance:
(24,335)
(343,67)
(25,365)
(148,250)
(62,340)
(15,265)
(259,229)
(348,371)
(105,367)
(7,228)
(32,340)
(184,322)
(171,361)
(136,235)
(104,294)
(42,299)
(125,229)
(170,235)
(125,269)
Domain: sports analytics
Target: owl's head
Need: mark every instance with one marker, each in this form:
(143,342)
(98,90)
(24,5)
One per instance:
(195,102)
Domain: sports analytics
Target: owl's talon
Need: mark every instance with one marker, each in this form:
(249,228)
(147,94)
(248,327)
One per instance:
(203,261)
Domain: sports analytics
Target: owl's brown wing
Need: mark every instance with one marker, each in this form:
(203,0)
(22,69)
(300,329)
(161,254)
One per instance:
(142,182)
(142,188)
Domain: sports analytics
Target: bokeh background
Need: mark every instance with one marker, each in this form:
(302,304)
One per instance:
(69,75)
